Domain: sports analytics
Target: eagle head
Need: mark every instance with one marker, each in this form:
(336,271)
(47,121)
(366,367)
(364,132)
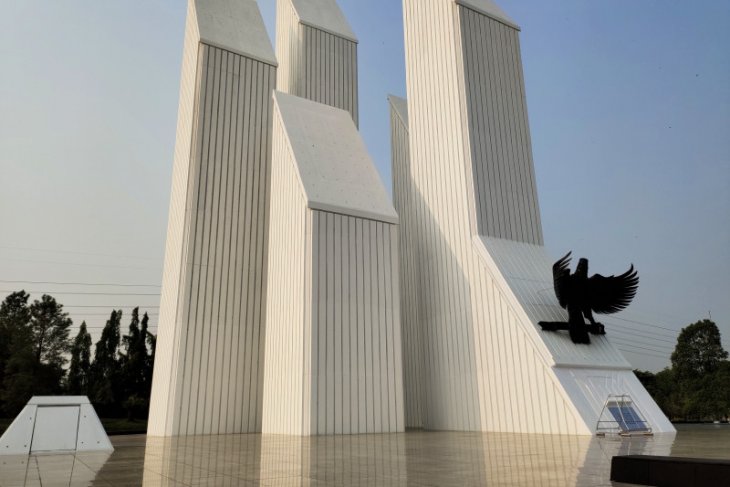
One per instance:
(582,269)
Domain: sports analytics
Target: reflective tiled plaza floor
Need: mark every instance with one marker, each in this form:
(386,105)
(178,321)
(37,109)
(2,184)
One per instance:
(414,458)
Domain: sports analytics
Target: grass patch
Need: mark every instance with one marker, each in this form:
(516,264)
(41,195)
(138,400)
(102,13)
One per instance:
(117,426)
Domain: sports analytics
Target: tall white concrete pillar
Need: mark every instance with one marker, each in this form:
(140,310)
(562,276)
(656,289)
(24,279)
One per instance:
(318,53)
(333,345)
(404,200)
(209,365)
(470,223)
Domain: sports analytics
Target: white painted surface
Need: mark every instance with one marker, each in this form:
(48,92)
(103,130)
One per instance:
(470,224)
(17,438)
(317,63)
(334,167)
(325,15)
(55,424)
(410,274)
(162,408)
(527,273)
(209,366)
(490,9)
(91,435)
(502,171)
(333,349)
(58,400)
(56,429)
(234,25)
(589,388)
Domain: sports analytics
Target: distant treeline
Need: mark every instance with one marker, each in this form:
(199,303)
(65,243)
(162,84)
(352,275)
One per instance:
(697,385)
(35,350)
(38,357)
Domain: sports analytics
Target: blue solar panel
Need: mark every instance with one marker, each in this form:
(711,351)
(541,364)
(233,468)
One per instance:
(627,418)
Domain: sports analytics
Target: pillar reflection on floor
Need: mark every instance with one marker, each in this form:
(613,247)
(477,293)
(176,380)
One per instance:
(414,458)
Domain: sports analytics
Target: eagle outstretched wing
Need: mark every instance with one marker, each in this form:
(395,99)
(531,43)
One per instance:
(561,279)
(612,294)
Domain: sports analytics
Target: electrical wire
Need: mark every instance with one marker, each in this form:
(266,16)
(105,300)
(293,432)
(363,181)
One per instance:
(55,283)
(81,265)
(56,251)
(69,293)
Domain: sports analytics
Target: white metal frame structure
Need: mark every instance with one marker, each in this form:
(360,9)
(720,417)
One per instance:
(476,278)
(209,366)
(630,420)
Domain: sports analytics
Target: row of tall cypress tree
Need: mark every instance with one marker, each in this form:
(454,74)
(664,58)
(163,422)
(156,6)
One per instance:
(38,357)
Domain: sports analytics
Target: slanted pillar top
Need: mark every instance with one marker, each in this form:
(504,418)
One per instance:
(234,25)
(490,9)
(324,15)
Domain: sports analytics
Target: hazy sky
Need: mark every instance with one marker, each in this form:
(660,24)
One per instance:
(629,105)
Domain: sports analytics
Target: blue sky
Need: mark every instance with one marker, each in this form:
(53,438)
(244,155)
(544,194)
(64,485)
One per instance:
(629,106)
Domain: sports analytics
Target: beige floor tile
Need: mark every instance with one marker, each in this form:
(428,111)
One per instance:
(418,459)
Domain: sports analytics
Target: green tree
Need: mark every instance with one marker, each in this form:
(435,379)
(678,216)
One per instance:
(14,319)
(697,358)
(152,344)
(35,365)
(699,350)
(667,394)
(105,375)
(78,372)
(26,377)
(49,327)
(721,389)
(134,361)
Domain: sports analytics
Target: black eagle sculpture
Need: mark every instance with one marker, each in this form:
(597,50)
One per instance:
(582,296)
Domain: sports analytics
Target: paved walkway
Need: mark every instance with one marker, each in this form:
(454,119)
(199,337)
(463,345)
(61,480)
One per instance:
(415,459)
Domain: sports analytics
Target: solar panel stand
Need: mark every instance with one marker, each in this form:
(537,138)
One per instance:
(621,416)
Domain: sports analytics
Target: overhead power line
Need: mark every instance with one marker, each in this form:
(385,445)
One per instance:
(108,306)
(633,332)
(81,265)
(633,341)
(642,353)
(56,283)
(74,252)
(85,294)
(84,314)
(623,344)
(647,324)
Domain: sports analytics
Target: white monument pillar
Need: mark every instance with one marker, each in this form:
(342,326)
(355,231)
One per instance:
(333,347)
(480,279)
(318,53)
(404,200)
(209,365)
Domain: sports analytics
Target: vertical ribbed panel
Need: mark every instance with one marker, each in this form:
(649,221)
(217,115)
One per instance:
(208,377)
(501,150)
(315,64)
(167,352)
(288,46)
(356,346)
(333,344)
(484,365)
(333,366)
(403,200)
(288,321)
(440,211)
